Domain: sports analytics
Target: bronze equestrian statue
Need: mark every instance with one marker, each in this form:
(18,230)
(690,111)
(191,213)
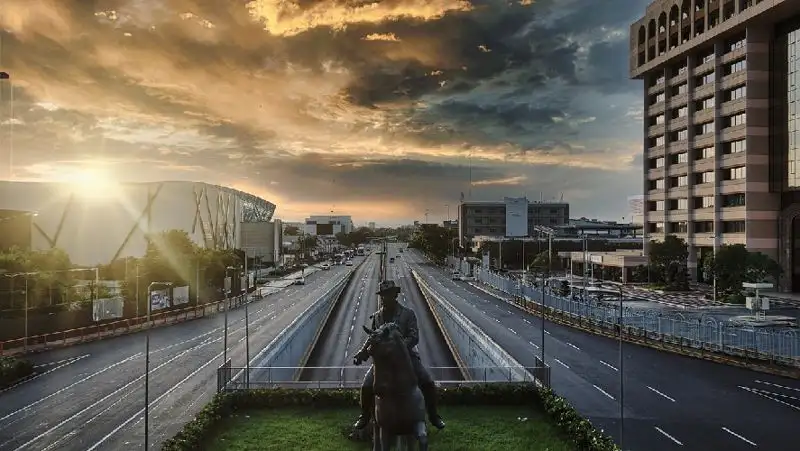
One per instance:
(393,312)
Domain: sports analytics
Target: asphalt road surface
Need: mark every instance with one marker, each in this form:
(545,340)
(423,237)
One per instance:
(343,335)
(671,401)
(91,396)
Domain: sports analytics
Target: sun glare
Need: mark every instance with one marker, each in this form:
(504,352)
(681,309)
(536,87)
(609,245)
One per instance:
(93,184)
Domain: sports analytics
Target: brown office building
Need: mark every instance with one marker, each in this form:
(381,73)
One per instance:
(722,125)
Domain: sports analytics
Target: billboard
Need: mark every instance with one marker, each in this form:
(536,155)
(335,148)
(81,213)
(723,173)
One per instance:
(324,229)
(516,216)
(180,295)
(107,308)
(159,300)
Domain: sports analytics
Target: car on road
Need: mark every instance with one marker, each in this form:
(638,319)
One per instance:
(456,275)
(391,260)
(326,266)
(349,263)
(300,281)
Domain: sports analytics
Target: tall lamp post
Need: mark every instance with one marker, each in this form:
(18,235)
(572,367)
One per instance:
(147,363)
(621,377)
(227,307)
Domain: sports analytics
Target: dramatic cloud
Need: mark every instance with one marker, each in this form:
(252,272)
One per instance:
(383,109)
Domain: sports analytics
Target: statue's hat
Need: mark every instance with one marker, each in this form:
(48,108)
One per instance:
(388,286)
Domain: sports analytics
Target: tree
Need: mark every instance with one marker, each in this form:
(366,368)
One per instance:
(541,263)
(354,238)
(434,240)
(735,265)
(291,230)
(668,259)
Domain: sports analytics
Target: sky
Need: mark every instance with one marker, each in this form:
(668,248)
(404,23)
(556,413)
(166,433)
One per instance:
(384,110)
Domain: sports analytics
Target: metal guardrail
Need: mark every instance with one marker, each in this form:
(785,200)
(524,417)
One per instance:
(703,332)
(235,378)
(121,327)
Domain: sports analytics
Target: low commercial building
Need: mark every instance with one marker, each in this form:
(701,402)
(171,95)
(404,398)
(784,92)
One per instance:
(626,261)
(328,225)
(100,225)
(511,217)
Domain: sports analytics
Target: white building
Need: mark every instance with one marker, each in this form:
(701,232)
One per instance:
(636,208)
(328,225)
(98,226)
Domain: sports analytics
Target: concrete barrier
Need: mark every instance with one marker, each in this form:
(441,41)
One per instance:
(280,357)
(484,359)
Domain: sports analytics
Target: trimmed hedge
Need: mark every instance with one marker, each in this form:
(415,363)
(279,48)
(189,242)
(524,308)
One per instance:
(575,428)
(13,369)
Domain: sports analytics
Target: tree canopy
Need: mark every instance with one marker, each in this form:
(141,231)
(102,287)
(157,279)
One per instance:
(668,262)
(735,265)
(434,240)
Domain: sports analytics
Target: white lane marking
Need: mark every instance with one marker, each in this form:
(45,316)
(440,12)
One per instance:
(22,409)
(94,404)
(533,344)
(61,361)
(573,346)
(603,392)
(766,394)
(513,331)
(609,365)
(67,362)
(661,431)
(738,436)
(547,332)
(496,320)
(562,363)
(526,321)
(779,386)
(659,393)
(153,404)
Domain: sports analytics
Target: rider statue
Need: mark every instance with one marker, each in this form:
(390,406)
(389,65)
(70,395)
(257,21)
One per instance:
(393,312)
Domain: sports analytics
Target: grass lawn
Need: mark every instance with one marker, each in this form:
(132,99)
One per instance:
(468,429)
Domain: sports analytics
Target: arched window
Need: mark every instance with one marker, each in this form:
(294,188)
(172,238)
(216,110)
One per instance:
(651,29)
(662,23)
(674,16)
(686,10)
(642,35)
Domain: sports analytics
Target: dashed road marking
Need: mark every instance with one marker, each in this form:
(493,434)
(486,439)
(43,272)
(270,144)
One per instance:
(603,392)
(513,331)
(560,362)
(674,440)
(738,436)
(573,346)
(609,365)
(533,344)
(660,394)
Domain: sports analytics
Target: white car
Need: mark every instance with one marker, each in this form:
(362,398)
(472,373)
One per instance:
(326,266)
(349,263)
(300,281)
(456,275)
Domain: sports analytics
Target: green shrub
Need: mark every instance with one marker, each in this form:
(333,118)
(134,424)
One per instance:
(577,429)
(13,369)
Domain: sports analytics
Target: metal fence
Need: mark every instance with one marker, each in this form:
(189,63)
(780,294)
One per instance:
(701,331)
(236,378)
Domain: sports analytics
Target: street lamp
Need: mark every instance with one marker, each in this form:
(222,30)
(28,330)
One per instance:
(147,362)
(621,365)
(227,307)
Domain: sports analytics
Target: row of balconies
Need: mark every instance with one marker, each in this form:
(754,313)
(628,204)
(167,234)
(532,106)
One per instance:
(700,92)
(699,214)
(700,141)
(703,239)
(699,189)
(698,70)
(706,164)
(728,108)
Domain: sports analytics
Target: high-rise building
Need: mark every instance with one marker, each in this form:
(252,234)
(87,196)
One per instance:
(721,125)
(327,225)
(511,217)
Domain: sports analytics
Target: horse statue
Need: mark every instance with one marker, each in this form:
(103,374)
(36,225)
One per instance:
(399,404)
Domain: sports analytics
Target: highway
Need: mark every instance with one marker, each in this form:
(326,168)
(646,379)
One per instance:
(343,335)
(91,396)
(671,401)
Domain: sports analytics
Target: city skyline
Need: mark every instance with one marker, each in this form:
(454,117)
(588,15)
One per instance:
(382,112)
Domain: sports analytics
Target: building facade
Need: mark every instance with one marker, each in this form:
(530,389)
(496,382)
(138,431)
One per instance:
(509,218)
(99,229)
(721,126)
(636,209)
(328,225)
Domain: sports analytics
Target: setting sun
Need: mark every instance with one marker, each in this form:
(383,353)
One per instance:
(92,183)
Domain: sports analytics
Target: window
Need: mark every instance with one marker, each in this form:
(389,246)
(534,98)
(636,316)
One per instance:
(704,177)
(680,135)
(707,127)
(703,153)
(680,112)
(733,226)
(656,184)
(704,79)
(737,44)
(703,202)
(655,227)
(659,119)
(736,66)
(734,147)
(733,200)
(792,55)
(738,173)
(683,203)
(658,80)
(704,104)
(682,88)
(679,69)
(659,205)
(679,158)
(679,181)
(658,98)
(656,163)
(657,141)
(706,57)
(678,227)
(736,119)
(736,93)
(704,227)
